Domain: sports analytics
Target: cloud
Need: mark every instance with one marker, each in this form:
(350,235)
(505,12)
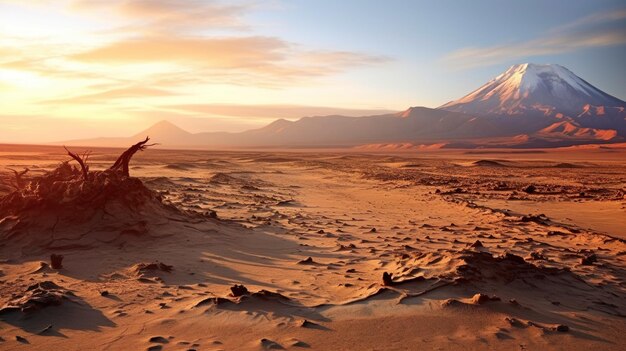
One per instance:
(103,59)
(596,30)
(214,52)
(113,94)
(170,16)
(271,111)
(253,60)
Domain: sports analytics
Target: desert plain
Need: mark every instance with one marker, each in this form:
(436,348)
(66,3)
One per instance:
(317,250)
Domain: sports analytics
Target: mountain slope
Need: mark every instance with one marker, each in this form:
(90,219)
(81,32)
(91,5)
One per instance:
(567,129)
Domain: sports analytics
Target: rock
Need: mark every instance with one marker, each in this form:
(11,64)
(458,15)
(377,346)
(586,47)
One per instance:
(562,328)
(480,299)
(56,261)
(21,339)
(270,345)
(37,296)
(309,260)
(513,258)
(298,343)
(477,243)
(104,293)
(373,230)
(514,322)
(387,279)
(451,303)
(307,324)
(143,268)
(530,189)
(537,256)
(158,340)
(239,290)
(539,219)
(589,260)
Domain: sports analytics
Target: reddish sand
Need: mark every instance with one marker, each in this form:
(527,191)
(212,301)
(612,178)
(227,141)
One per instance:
(447,225)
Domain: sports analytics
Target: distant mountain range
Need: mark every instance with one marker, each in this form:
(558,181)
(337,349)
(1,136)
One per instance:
(529,105)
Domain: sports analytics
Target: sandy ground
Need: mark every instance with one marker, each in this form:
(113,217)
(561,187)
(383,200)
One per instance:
(310,236)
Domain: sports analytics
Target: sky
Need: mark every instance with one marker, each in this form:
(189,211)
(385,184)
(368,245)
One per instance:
(74,69)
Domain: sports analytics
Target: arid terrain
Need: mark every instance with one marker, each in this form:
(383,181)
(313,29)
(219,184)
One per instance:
(319,250)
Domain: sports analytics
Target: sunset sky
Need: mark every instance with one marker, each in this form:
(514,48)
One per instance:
(84,68)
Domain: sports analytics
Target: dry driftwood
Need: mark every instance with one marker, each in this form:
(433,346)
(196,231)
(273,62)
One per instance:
(82,161)
(19,182)
(78,191)
(122,162)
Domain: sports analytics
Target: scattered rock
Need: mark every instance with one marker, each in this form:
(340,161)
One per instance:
(537,256)
(56,261)
(270,345)
(589,260)
(515,322)
(239,290)
(309,260)
(480,299)
(562,328)
(539,219)
(513,258)
(477,243)
(148,268)
(451,302)
(299,343)
(158,340)
(387,279)
(37,296)
(21,339)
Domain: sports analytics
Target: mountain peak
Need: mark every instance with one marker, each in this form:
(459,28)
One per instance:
(533,88)
(163,130)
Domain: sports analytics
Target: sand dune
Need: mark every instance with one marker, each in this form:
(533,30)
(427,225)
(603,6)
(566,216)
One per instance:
(322,251)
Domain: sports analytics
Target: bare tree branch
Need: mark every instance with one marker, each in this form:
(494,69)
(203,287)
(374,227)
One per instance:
(122,162)
(19,183)
(82,161)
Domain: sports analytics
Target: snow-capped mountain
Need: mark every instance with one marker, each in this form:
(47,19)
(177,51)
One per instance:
(536,89)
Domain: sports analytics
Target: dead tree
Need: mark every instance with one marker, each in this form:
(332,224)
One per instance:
(82,161)
(19,183)
(124,159)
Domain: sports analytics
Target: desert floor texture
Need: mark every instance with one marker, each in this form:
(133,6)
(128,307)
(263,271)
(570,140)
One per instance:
(481,250)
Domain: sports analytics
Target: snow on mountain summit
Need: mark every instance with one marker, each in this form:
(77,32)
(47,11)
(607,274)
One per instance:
(546,89)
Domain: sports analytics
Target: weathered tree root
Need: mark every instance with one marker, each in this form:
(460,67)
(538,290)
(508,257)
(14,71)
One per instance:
(73,194)
(19,182)
(82,161)
(124,159)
